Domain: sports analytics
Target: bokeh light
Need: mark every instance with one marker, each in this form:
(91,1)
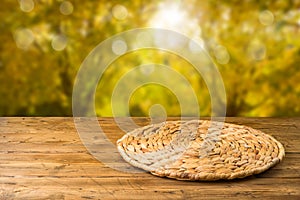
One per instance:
(266,18)
(120,12)
(59,42)
(257,50)
(119,47)
(221,54)
(157,113)
(66,8)
(26,5)
(24,37)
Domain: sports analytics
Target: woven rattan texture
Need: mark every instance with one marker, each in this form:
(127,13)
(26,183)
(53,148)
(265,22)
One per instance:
(178,149)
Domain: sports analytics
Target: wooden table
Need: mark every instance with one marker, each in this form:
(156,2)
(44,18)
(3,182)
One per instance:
(43,158)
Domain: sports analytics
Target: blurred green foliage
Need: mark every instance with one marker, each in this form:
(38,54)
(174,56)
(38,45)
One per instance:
(255,44)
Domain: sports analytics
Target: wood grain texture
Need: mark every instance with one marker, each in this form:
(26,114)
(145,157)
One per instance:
(44,158)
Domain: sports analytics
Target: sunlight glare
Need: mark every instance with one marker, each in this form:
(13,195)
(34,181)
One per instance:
(171,16)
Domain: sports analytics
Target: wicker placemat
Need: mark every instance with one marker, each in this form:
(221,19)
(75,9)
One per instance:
(186,150)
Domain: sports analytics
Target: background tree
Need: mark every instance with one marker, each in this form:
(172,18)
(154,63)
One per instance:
(255,45)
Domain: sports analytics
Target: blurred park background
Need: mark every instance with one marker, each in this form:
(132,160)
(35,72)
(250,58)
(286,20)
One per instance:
(255,45)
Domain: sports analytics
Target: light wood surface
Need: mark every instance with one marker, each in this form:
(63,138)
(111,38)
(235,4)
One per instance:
(43,158)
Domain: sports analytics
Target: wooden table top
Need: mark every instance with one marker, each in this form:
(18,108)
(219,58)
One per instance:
(43,158)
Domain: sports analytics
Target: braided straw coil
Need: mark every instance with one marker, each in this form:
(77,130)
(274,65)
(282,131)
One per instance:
(180,150)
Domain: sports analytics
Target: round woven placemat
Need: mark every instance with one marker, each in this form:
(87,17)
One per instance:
(194,150)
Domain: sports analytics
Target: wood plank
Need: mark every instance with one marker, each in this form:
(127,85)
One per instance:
(72,165)
(107,186)
(248,184)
